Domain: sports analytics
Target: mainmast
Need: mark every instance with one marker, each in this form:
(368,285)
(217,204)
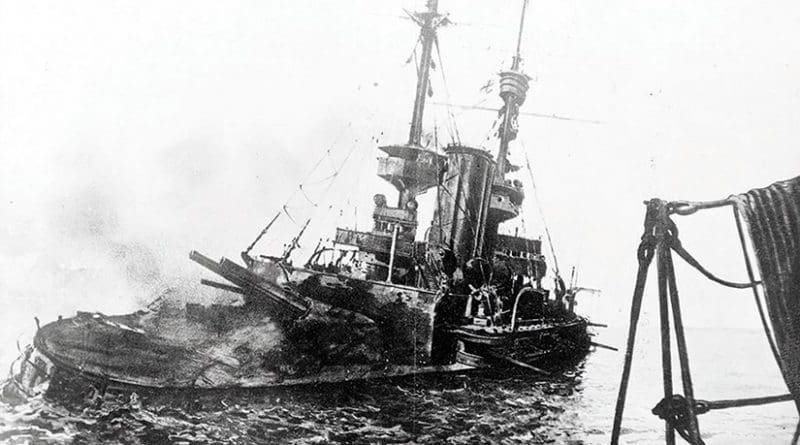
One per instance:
(513,89)
(428,23)
(507,196)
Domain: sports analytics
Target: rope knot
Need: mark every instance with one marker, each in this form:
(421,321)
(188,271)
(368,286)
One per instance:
(647,246)
(675,410)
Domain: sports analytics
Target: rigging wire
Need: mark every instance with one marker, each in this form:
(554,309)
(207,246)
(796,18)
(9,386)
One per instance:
(541,211)
(494,128)
(522,113)
(283,207)
(331,179)
(320,181)
(338,169)
(438,212)
(451,117)
(296,240)
(338,211)
(305,195)
(286,211)
(413,55)
(531,266)
(461,209)
(352,189)
(409,16)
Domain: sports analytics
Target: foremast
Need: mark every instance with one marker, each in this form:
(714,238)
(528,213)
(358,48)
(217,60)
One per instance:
(428,22)
(389,249)
(411,167)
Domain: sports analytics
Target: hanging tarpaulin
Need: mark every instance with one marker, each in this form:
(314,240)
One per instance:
(772,216)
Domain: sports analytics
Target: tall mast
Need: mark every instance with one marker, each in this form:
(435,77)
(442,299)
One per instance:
(513,90)
(428,23)
(518,57)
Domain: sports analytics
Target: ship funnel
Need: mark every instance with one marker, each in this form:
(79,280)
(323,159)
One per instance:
(462,203)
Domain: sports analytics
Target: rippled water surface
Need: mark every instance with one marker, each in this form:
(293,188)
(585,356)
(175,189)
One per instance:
(575,406)
(454,409)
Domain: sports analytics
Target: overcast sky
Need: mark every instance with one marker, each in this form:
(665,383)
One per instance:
(134,131)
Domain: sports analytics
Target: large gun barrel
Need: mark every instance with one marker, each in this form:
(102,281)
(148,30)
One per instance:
(283,301)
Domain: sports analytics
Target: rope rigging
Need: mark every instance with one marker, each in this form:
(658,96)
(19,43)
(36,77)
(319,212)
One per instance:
(413,56)
(461,209)
(522,113)
(675,409)
(675,244)
(286,212)
(327,180)
(660,238)
(305,195)
(351,189)
(531,265)
(283,207)
(348,188)
(338,169)
(541,211)
(455,136)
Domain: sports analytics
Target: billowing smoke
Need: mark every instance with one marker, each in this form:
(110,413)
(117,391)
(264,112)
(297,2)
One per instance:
(99,235)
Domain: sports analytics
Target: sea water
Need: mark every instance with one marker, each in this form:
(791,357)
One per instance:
(573,406)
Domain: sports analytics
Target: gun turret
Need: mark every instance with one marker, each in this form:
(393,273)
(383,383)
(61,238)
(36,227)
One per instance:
(283,301)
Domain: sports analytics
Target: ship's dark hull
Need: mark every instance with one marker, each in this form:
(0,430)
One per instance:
(109,351)
(116,353)
(352,329)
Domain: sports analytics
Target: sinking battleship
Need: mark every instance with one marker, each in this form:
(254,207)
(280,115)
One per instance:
(462,297)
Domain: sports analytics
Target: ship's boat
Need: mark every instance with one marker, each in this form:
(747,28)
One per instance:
(375,303)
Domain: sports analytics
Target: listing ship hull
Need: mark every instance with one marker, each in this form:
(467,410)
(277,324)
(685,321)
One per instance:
(357,329)
(145,362)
